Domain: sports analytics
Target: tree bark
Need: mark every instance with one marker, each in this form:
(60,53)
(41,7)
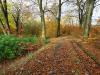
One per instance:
(59,19)
(81,12)
(2,27)
(16,18)
(88,18)
(3,6)
(42,20)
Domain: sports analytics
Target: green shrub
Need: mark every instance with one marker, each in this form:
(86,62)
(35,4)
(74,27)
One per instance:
(10,46)
(30,39)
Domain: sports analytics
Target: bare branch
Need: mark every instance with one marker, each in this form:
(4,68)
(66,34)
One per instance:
(51,12)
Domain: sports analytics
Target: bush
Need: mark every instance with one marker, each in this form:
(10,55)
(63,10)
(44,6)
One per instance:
(10,46)
(29,39)
(32,28)
(69,30)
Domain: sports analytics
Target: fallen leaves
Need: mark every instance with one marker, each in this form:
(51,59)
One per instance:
(59,59)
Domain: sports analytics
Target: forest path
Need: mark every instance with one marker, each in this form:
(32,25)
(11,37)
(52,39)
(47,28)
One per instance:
(63,56)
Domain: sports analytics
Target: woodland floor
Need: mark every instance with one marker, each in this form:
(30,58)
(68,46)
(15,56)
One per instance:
(62,56)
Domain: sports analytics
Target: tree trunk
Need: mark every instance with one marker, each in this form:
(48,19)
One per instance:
(6,17)
(59,19)
(81,6)
(16,18)
(42,20)
(88,18)
(2,27)
(3,6)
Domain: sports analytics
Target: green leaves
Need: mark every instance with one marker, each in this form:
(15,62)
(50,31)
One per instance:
(10,46)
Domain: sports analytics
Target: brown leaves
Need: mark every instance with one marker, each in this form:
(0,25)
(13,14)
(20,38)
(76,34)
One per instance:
(32,47)
(62,60)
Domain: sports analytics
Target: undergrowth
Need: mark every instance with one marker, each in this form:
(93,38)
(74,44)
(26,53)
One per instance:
(10,46)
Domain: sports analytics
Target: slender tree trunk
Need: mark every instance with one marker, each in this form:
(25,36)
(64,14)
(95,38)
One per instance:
(17,21)
(16,18)
(59,19)
(2,27)
(42,20)
(81,18)
(79,13)
(3,6)
(88,18)
(8,26)
(6,17)
(81,9)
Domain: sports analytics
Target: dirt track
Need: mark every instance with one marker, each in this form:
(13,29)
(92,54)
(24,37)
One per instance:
(61,57)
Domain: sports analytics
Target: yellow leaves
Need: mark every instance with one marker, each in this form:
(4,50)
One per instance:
(51,28)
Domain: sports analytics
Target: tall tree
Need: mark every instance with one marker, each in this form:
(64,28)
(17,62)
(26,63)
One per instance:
(59,18)
(16,17)
(3,6)
(42,19)
(88,17)
(56,12)
(81,11)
